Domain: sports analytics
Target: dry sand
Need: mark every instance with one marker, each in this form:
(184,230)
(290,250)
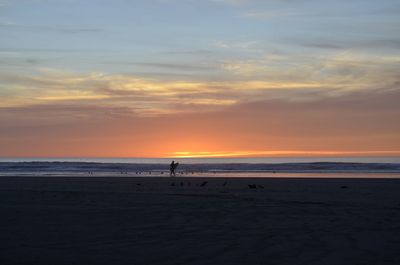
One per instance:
(149,221)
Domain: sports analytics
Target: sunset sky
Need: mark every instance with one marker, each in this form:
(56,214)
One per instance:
(175,78)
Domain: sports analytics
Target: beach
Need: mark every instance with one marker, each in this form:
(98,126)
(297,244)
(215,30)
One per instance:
(207,220)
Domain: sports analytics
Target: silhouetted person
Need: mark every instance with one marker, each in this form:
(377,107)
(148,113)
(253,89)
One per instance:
(172,168)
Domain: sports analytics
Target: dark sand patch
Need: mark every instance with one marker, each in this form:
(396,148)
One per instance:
(115,221)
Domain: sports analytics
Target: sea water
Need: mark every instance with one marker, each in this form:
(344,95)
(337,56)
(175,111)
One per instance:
(293,167)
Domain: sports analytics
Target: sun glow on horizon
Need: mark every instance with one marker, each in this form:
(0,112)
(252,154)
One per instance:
(205,154)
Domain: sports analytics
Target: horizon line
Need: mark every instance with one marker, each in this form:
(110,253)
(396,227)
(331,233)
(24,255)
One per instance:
(217,155)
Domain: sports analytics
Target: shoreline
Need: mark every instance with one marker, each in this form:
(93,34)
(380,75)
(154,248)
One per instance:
(219,175)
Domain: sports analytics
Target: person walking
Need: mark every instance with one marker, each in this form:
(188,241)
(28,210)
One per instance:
(172,168)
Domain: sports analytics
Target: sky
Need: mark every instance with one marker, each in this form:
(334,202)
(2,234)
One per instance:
(176,78)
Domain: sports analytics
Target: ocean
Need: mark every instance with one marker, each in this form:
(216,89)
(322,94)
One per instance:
(292,167)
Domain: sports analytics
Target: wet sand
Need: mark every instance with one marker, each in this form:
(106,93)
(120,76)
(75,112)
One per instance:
(100,220)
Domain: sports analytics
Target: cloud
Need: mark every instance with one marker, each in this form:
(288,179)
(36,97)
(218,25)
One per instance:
(287,77)
(273,14)
(29,2)
(350,44)
(344,70)
(257,79)
(146,95)
(361,123)
(232,2)
(201,52)
(245,45)
(167,66)
(59,29)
